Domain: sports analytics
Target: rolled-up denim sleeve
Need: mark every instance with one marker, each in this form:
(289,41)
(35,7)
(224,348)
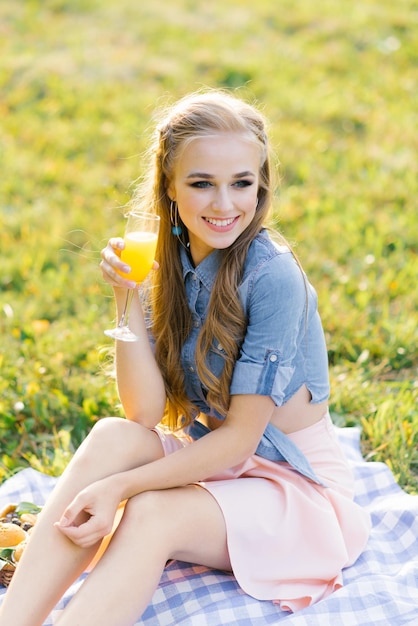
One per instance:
(276,310)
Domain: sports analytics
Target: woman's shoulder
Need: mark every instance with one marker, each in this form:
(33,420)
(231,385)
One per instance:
(265,252)
(273,275)
(272,267)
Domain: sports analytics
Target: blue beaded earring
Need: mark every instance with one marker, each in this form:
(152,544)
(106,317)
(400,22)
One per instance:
(175,229)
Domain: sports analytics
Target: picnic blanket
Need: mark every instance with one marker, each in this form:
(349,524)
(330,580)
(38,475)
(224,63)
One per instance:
(381,588)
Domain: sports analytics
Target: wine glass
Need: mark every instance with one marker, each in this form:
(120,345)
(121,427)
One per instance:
(141,235)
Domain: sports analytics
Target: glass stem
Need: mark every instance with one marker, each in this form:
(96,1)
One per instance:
(125,314)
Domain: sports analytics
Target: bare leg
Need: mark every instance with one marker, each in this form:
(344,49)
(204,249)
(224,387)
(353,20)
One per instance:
(185,523)
(51,562)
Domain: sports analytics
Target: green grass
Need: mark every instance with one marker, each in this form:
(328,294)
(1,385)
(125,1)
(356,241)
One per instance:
(79,80)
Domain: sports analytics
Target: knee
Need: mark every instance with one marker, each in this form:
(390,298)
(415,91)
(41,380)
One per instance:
(106,434)
(144,505)
(149,515)
(118,445)
(149,509)
(108,427)
(108,438)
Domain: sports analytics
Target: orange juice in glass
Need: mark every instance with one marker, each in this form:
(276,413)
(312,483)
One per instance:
(139,253)
(140,238)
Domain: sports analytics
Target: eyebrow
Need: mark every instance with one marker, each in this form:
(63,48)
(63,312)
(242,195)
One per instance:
(206,176)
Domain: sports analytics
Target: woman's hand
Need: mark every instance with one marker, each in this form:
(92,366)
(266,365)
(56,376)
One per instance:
(89,517)
(111,265)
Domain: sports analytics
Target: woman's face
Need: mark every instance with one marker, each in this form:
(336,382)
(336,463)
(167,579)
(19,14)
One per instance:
(215,184)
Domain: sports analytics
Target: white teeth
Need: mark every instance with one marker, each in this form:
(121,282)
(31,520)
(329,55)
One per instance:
(227,222)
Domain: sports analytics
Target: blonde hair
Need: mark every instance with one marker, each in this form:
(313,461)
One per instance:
(199,115)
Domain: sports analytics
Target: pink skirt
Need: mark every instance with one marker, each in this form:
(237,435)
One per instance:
(289,538)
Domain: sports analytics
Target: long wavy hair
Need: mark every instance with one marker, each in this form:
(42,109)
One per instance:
(196,116)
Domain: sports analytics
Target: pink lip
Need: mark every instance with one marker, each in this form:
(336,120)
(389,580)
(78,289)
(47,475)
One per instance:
(221,229)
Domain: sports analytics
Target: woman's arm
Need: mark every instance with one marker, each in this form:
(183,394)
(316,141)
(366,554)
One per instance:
(140,384)
(139,381)
(230,444)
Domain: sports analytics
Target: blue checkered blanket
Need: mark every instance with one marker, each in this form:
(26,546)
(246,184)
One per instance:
(381,588)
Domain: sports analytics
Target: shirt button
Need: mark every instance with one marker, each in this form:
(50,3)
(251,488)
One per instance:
(219,347)
(194,277)
(196,324)
(191,369)
(273,358)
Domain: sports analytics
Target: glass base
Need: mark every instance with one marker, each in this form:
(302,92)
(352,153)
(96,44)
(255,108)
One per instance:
(122,333)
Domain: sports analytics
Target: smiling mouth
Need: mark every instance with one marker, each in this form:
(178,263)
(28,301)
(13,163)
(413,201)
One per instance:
(220,223)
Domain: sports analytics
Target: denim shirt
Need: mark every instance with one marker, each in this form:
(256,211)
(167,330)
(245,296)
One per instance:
(283,348)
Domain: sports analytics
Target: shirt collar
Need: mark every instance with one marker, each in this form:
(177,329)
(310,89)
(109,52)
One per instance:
(206,271)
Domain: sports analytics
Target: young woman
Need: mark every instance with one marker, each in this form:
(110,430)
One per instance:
(244,474)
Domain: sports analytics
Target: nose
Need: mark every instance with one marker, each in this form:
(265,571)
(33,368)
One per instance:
(222,200)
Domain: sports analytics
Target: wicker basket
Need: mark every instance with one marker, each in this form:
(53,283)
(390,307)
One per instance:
(6,574)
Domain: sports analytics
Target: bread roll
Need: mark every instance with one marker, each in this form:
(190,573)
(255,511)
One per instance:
(11,535)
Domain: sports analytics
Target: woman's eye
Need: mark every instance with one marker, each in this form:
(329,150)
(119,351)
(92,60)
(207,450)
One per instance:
(243,183)
(201,184)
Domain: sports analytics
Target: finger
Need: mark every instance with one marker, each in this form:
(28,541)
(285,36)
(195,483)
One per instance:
(116,243)
(113,278)
(83,526)
(111,267)
(111,253)
(82,536)
(74,515)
